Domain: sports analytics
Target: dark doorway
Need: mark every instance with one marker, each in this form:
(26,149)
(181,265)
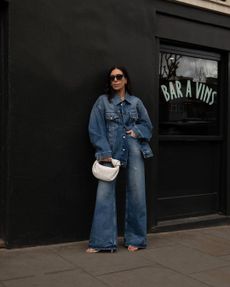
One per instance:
(190,133)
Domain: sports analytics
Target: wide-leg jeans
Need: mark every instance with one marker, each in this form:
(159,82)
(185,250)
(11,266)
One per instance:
(103,234)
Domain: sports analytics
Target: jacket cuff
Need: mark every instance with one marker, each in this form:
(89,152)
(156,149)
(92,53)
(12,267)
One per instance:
(137,132)
(102,155)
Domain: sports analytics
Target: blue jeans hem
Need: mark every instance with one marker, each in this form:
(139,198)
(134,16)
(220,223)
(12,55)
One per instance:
(103,248)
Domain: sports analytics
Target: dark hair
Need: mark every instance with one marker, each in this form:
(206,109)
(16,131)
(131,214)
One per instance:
(109,90)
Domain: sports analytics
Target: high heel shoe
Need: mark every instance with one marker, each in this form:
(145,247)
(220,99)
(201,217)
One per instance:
(132,248)
(93,250)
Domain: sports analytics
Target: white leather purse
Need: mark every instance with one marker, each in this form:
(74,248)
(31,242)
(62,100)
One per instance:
(106,173)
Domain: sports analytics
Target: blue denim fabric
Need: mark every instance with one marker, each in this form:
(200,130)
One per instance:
(109,122)
(104,228)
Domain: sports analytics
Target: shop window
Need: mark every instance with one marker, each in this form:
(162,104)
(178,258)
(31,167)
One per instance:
(189,97)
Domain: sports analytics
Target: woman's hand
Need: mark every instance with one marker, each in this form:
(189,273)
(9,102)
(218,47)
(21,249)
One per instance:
(131,133)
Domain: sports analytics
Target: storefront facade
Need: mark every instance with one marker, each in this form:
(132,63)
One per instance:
(193,129)
(54,60)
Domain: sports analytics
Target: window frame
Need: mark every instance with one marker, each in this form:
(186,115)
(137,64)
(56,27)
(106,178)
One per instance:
(207,55)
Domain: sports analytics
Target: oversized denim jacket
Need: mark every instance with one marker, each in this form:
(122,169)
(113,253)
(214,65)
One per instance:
(109,122)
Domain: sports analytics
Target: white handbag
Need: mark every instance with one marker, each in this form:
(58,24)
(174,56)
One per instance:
(106,173)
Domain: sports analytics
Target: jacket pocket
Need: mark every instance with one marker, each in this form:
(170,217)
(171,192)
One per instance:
(111,116)
(133,115)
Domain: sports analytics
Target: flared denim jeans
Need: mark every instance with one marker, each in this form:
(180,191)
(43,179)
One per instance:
(103,234)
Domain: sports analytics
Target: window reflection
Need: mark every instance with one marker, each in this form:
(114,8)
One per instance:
(188,95)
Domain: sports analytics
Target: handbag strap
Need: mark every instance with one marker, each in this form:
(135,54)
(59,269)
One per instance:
(115,162)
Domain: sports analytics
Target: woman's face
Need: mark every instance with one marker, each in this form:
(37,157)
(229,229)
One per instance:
(117,80)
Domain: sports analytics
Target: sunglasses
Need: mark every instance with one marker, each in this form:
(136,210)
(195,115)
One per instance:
(118,77)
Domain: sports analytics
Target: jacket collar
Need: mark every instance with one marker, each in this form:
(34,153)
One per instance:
(116,99)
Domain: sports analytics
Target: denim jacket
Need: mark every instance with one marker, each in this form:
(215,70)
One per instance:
(109,122)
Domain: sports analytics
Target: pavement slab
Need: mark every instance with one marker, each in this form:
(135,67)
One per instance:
(74,278)
(102,263)
(221,232)
(219,277)
(173,236)
(227,258)
(149,277)
(189,258)
(183,259)
(157,240)
(25,262)
(206,243)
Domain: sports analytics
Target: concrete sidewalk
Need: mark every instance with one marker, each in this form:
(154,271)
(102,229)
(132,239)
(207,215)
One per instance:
(191,258)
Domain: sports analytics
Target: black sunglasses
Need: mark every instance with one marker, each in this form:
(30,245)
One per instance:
(118,77)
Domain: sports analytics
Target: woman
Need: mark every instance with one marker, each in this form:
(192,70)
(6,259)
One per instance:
(120,128)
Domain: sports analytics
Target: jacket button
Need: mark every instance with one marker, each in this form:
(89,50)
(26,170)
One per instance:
(123,149)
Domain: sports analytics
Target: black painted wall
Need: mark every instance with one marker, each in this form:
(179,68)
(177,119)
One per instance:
(58,54)
(3,111)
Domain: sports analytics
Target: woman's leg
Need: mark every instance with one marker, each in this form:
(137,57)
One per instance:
(136,218)
(103,234)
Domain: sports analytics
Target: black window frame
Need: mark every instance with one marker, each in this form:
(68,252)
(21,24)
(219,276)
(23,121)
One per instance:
(204,54)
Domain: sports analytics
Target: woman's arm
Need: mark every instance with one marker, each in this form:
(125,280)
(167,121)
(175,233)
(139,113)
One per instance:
(143,126)
(97,132)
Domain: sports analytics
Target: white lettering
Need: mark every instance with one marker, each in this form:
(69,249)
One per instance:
(213,98)
(198,89)
(178,89)
(207,94)
(165,92)
(188,89)
(172,91)
(202,92)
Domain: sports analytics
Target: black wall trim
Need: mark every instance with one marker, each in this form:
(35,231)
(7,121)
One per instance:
(170,27)
(3,118)
(228,143)
(191,52)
